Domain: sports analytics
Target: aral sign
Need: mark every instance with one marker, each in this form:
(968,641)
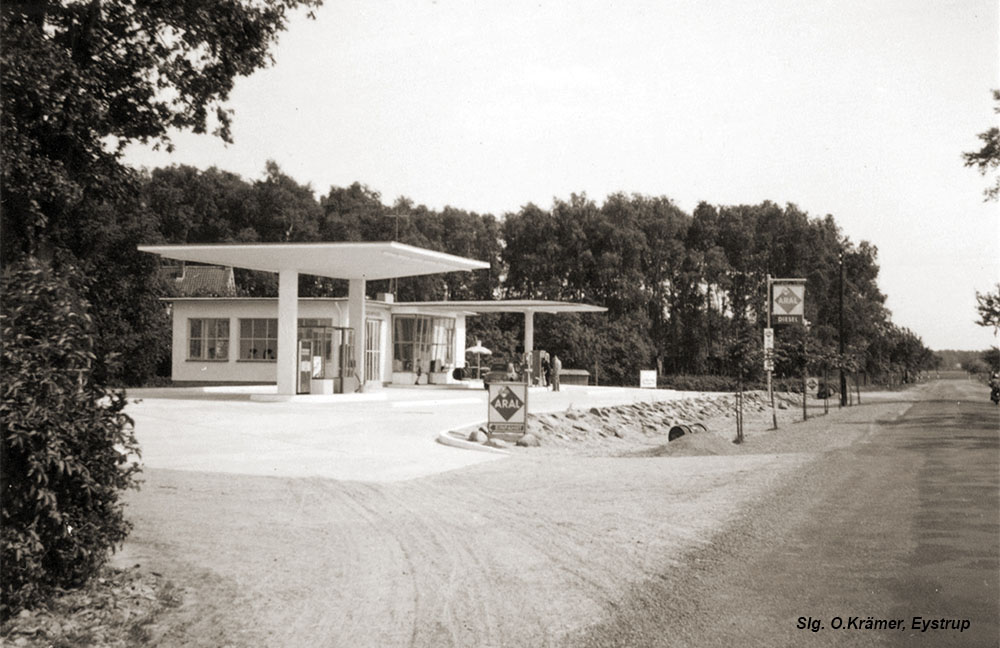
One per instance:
(507,410)
(788,302)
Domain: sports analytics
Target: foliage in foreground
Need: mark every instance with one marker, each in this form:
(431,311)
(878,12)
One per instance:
(66,440)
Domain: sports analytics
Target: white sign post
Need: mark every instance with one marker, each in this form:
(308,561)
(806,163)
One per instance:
(507,410)
(812,386)
(647,378)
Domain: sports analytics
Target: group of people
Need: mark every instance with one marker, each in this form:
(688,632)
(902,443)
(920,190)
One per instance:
(548,375)
(550,370)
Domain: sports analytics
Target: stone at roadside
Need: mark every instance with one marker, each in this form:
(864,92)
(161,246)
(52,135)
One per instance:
(528,441)
(782,405)
(496,443)
(478,436)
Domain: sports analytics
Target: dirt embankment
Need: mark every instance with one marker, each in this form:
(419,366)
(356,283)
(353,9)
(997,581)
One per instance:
(643,428)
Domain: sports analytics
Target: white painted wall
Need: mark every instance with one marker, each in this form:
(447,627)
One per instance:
(233,370)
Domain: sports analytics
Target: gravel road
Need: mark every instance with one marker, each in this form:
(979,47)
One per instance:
(534,550)
(903,523)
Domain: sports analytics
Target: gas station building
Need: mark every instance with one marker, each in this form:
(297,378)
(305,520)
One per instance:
(339,345)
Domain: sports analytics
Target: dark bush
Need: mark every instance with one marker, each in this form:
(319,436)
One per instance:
(687,382)
(68,447)
(708,382)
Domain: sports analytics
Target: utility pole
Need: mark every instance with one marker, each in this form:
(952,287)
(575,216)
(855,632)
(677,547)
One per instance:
(843,378)
(394,282)
(805,370)
(770,386)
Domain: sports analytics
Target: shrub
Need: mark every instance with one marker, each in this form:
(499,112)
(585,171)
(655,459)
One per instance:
(66,440)
(708,382)
(715,383)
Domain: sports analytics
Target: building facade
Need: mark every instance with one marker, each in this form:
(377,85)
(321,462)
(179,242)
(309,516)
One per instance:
(235,340)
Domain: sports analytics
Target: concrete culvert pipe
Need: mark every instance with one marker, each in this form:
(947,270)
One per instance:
(677,432)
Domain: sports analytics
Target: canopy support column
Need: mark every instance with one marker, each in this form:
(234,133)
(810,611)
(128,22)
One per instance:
(288,331)
(529,331)
(356,317)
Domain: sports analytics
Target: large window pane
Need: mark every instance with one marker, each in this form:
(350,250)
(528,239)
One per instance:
(258,339)
(209,339)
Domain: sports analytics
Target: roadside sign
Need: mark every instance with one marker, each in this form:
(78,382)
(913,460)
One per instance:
(507,410)
(768,338)
(768,363)
(788,302)
(647,378)
(812,386)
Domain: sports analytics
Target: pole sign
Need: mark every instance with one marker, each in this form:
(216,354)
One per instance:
(788,298)
(647,378)
(812,386)
(768,362)
(768,339)
(507,410)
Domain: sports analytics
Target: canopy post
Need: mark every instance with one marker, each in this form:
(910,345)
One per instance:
(529,331)
(288,331)
(356,317)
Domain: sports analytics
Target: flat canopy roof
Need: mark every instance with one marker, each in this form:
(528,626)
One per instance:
(383,260)
(506,306)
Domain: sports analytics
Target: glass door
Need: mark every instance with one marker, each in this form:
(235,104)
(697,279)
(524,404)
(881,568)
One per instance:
(373,350)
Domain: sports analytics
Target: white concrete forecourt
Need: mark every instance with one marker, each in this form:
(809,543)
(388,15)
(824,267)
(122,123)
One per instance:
(388,435)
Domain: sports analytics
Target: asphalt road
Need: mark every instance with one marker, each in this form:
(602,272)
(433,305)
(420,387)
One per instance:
(904,523)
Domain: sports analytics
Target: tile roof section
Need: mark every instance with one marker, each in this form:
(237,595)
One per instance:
(206,281)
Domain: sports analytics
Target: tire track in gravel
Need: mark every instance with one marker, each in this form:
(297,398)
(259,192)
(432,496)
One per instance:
(511,553)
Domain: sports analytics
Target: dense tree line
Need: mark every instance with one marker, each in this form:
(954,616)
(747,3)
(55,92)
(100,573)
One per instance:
(685,293)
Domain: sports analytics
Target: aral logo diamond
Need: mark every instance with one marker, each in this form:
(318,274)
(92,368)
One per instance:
(787,300)
(507,403)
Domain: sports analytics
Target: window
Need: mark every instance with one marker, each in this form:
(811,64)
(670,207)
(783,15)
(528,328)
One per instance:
(208,339)
(424,342)
(258,339)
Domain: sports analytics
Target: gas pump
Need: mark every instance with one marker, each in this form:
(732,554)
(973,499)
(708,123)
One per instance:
(305,366)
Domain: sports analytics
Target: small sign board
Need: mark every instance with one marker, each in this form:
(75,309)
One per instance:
(647,378)
(812,386)
(768,363)
(788,302)
(507,410)
(768,338)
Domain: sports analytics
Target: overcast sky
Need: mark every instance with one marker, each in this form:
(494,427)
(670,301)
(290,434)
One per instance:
(860,109)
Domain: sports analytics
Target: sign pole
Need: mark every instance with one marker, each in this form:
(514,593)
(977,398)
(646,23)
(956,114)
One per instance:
(769,352)
(805,373)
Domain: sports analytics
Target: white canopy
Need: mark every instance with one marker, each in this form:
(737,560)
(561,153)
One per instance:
(369,261)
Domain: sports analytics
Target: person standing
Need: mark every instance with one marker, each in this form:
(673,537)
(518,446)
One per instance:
(546,369)
(556,368)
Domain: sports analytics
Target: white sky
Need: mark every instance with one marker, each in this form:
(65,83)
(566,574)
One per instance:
(856,108)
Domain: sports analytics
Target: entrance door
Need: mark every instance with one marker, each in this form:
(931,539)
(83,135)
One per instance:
(373,350)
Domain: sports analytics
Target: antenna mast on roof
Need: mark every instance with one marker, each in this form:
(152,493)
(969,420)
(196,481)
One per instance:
(393,282)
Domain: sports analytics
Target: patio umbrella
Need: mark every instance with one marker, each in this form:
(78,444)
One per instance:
(478,349)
